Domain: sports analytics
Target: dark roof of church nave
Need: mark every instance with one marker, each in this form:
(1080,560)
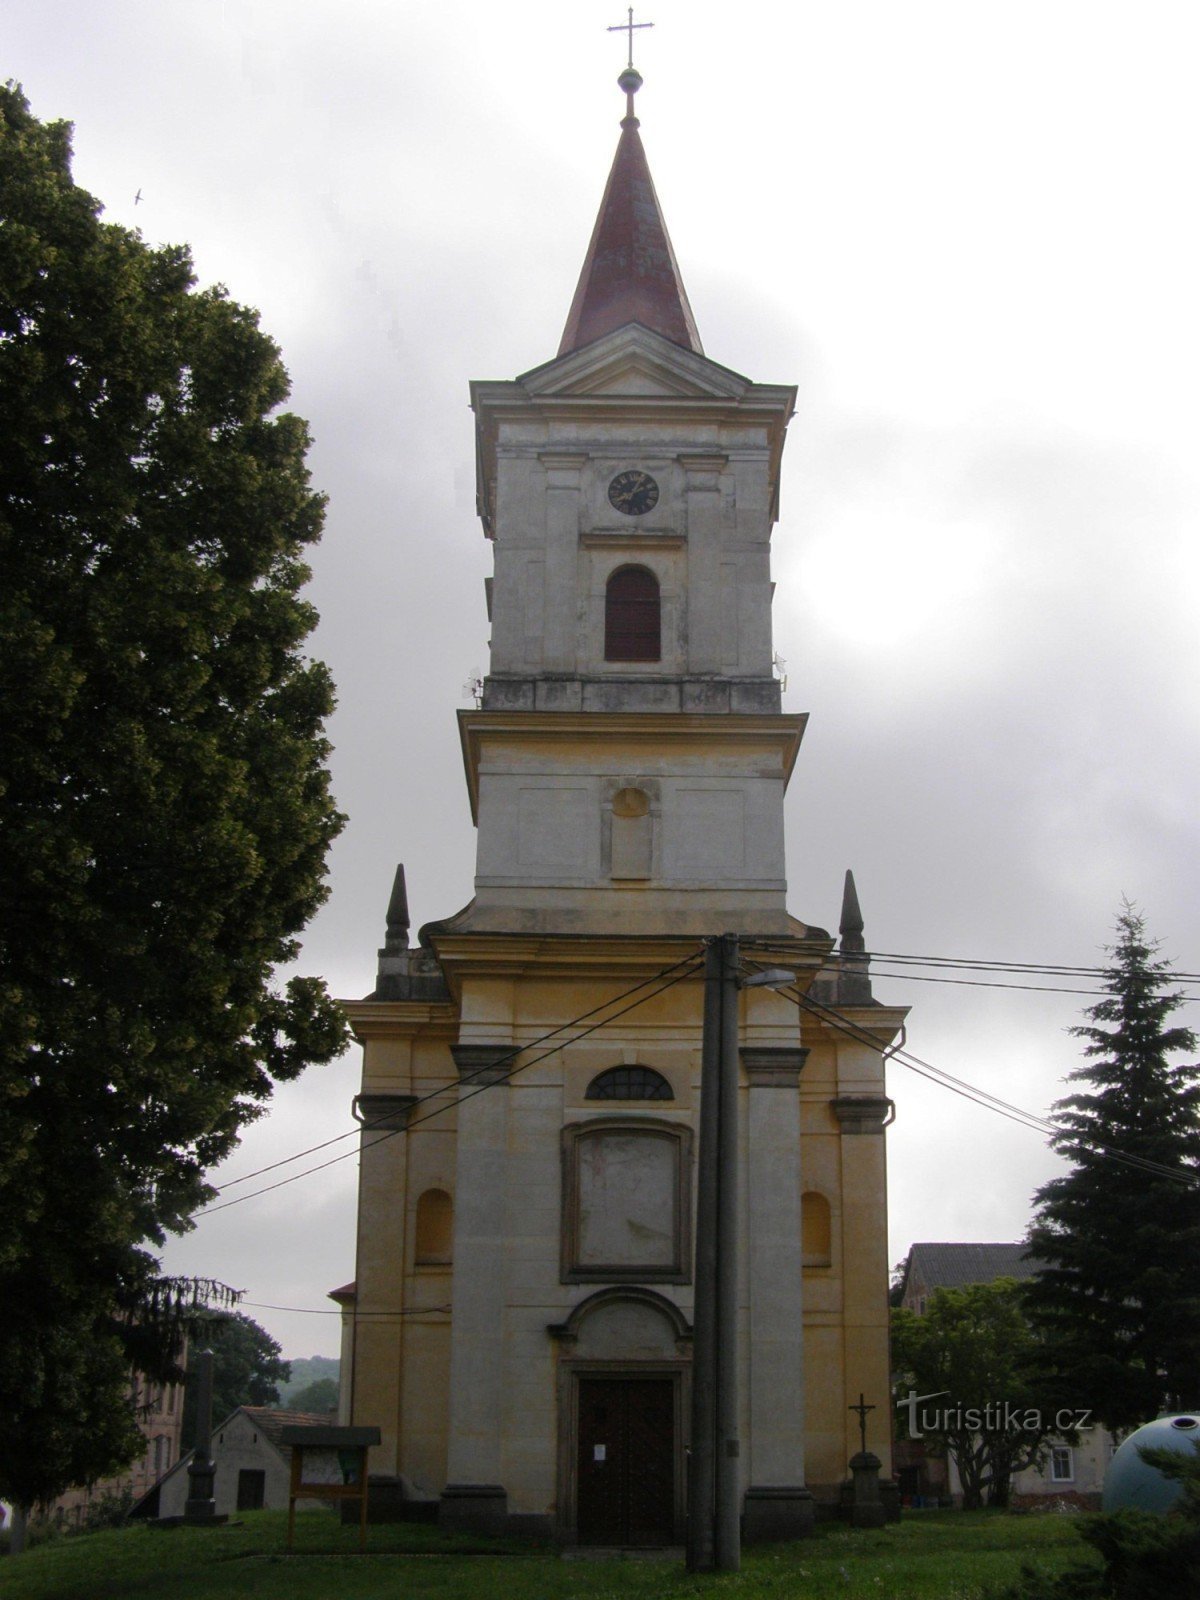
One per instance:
(630,273)
(955,1266)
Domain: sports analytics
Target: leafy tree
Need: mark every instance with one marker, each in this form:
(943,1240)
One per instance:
(165,801)
(1118,1298)
(972,1352)
(248,1368)
(321,1395)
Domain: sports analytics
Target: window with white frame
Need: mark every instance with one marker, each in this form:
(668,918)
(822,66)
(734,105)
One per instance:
(1062,1464)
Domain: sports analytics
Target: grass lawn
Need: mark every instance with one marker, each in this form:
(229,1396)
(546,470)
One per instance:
(929,1556)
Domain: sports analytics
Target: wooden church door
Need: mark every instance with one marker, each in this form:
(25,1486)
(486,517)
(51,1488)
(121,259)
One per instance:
(626,1465)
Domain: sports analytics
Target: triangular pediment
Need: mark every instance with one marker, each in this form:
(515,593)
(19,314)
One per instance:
(636,362)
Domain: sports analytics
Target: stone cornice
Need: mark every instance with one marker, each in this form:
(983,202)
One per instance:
(383,1111)
(880,1024)
(485,1063)
(625,958)
(780,729)
(585,387)
(863,1113)
(392,1019)
(773,1066)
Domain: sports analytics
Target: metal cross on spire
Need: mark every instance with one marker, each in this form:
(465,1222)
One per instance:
(630,28)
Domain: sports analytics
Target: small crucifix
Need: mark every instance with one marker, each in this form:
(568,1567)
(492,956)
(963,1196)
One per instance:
(629,27)
(862,1410)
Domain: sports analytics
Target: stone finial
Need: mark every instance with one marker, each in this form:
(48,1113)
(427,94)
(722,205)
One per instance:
(396,938)
(854,976)
(851,925)
(393,958)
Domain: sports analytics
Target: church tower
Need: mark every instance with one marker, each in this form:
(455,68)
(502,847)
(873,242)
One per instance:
(520,1325)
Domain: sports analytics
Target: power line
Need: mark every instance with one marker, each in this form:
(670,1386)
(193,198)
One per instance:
(983,983)
(969,963)
(1020,969)
(868,957)
(980,1097)
(366,1127)
(1053,969)
(361,1316)
(924,1069)
(689,964)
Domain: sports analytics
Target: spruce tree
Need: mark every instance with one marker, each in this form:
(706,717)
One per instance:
(1118,1296)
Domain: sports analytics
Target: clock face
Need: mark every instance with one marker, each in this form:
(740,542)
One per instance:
(633,492)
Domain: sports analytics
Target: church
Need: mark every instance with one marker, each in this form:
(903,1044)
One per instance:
(520,1325)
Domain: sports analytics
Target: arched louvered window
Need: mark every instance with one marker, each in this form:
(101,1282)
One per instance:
(629,1083)
(632,616)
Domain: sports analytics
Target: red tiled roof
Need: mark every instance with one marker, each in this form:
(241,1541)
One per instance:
(630,273)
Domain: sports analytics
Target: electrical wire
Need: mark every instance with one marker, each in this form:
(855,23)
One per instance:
(1053,969)
(365,1127)
(970,963)
(904,960)
(690,964)
(869,957)
(983,983)
(972,1092)
(362,1316)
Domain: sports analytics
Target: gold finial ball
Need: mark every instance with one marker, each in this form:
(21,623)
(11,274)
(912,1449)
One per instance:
(630,80)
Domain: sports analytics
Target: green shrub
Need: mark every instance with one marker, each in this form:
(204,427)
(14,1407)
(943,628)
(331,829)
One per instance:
(109,1510)
(1146,1557)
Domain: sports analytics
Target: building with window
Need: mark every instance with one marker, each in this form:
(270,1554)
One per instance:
(520,1323)
(253,1466)
(158,1408)
(1071,1472)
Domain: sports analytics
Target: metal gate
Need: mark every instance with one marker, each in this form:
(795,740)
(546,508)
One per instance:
(626,1462)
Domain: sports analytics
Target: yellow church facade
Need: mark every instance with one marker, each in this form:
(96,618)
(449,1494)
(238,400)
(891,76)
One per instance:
(520,1326)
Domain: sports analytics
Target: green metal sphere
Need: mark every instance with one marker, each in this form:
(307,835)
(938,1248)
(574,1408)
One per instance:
(1133,1483)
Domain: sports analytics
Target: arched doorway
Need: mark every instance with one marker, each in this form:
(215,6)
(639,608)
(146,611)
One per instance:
(623,1398)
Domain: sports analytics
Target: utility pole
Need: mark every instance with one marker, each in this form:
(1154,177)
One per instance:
(714,1485)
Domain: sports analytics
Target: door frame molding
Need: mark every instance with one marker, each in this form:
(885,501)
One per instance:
(570,1371)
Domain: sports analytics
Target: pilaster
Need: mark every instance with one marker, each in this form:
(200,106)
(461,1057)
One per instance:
(383,1192)
(777,1504)
(863,1118)
(474,1497)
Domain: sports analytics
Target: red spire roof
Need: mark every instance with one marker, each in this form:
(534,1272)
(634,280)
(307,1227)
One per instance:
(630,273)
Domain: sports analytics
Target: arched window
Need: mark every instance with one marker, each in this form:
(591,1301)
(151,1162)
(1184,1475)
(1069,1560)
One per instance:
(816,1231)
(632,616)
(435,1229)
(629,1083)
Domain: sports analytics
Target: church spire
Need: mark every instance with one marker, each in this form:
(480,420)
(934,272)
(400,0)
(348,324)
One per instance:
(630,273)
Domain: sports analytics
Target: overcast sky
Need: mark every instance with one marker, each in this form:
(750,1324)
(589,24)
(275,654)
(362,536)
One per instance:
(967,231)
